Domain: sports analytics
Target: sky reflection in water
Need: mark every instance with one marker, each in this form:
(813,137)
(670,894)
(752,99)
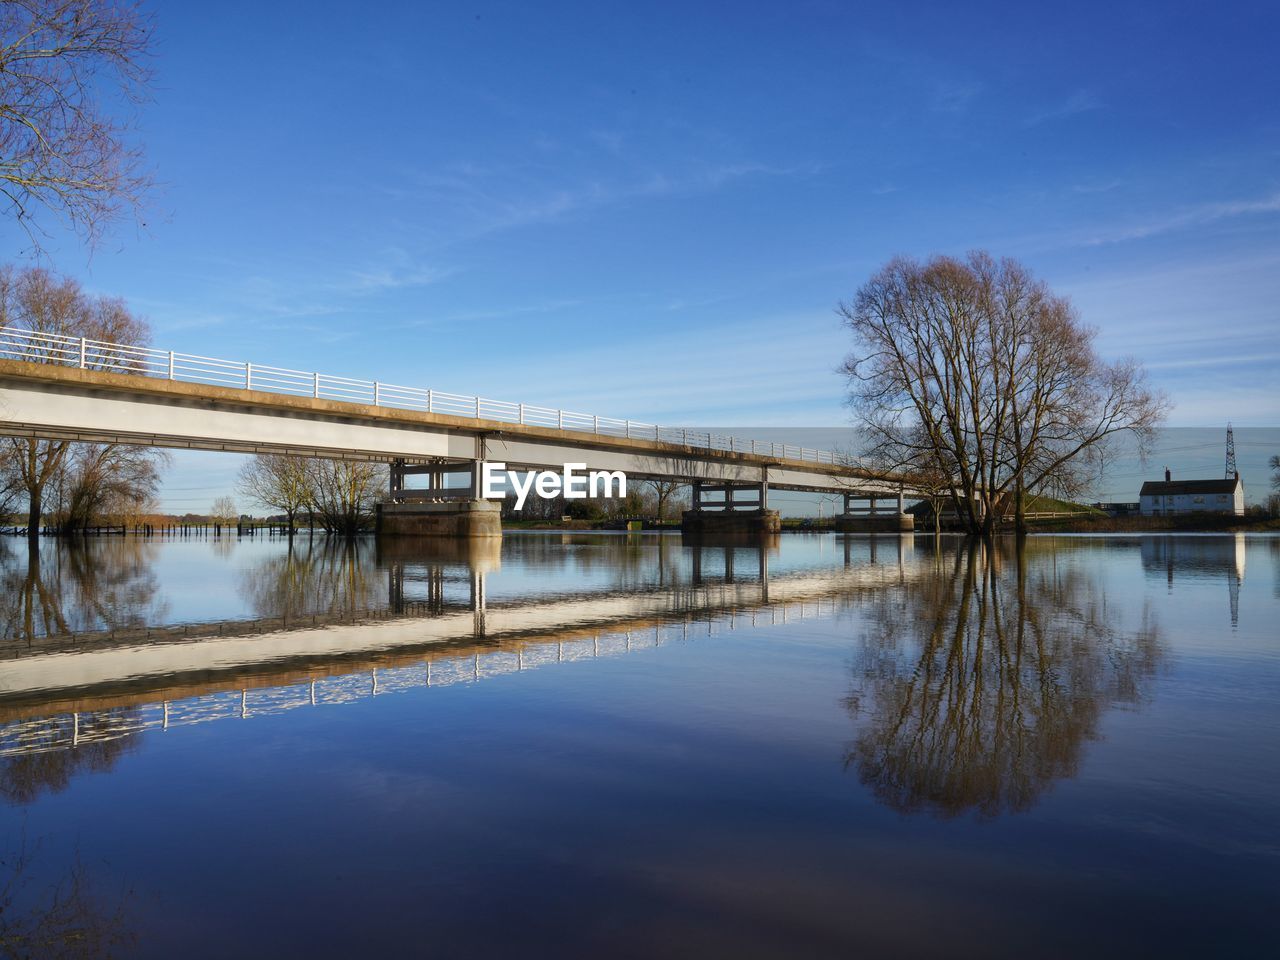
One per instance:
(610,745)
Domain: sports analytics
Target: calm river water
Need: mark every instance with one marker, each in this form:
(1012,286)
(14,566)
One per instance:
(628,746)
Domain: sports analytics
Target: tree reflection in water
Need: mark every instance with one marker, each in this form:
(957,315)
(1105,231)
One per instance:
(78,586)
(330,576)
(63,917)
(977,688)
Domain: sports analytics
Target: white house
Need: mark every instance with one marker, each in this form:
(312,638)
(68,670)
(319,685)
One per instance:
(1163,498)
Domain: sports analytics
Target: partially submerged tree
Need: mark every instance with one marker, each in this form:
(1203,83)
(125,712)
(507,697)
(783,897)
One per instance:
(107,482)
(38,299)
(975,371)
(61,153)
(344,492)
(278,482)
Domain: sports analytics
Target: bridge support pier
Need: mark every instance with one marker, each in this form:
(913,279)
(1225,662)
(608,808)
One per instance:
(439,509)
(732,509)
(873,518)
(460,518)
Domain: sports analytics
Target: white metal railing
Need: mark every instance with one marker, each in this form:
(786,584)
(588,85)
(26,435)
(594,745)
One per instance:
(89,354)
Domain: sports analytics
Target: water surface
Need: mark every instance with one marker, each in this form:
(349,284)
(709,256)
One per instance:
(596,745)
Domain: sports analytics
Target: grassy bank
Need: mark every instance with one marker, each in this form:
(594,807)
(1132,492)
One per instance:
(1190,523)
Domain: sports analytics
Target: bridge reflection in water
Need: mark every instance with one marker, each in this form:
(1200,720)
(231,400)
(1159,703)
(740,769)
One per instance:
(979,673)
(338,626)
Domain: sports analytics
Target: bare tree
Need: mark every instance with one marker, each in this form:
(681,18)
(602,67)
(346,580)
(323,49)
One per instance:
(1274,464)
(107,482)
(224,511)
(40,300)
(974,370)
(10,483)
(60,152)
(343,493)
(666,493)
(278,482)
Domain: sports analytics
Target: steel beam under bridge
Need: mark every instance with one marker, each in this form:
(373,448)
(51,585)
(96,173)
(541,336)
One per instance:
(61,402)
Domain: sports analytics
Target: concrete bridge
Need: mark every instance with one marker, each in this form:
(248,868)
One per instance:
(58,387)
(64,692)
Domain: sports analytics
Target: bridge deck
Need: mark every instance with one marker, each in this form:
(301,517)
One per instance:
(51,400)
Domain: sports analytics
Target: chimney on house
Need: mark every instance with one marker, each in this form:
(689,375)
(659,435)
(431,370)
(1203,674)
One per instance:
(1167,475)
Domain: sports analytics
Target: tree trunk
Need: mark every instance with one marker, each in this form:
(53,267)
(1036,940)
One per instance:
(33,517)
(1019,509)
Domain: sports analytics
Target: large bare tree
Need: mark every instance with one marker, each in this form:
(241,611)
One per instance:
(61,153)
(975,370)
(38,299)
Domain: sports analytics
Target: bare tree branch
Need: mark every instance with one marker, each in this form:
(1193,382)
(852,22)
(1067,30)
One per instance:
(61,152)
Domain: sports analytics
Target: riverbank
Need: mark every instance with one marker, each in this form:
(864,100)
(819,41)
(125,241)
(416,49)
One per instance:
(1191,523)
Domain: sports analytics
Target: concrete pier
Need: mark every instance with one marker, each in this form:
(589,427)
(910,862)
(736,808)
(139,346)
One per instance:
(449,505)
(873,518)
(720,523)
(730,509)
(458,518)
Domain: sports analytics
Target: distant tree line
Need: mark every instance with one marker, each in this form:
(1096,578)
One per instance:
(340,496)
(647,499)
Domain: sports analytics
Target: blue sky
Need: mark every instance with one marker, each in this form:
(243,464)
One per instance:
(651,210)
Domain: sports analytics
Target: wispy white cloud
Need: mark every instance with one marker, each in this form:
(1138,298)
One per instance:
(1099,186)
(1080,101)
(500,313)
(955,96)
(608,140)
(1243,404)
(1200,215)
(191,321)
(796,374)
(479,201)
(378,278)
(1231,361)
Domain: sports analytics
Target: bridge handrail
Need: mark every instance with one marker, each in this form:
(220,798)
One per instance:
(88,354)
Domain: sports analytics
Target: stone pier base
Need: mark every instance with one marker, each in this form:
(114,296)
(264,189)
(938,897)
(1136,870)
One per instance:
(459,519)
(718,522)
(875,523)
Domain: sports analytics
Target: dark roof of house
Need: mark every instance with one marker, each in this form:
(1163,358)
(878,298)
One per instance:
(1173,488)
